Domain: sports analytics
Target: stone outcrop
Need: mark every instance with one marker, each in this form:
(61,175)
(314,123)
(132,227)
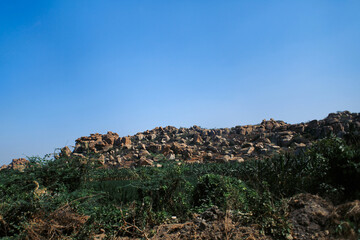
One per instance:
(196,144)
(17,164)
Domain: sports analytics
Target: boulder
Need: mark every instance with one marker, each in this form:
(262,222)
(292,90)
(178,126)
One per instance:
(248,150)
(236,159)
(140,136)
(125,141)
(177,147)
(197,139)
(146,162)
(286,140)
(110,138)
(65,152)
(154,148)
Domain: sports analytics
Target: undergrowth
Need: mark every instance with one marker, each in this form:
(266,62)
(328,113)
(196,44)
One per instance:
(78,199)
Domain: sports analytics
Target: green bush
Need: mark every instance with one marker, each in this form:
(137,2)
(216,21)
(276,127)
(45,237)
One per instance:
(124,202)
(339,166)
(222,191)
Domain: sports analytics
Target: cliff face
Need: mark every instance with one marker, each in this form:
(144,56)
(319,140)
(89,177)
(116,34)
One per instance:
(197,144)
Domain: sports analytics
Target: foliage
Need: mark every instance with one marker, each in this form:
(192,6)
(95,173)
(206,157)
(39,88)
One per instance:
(125,202)
(224,192)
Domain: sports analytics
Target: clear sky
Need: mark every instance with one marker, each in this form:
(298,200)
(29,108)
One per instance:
(69,68)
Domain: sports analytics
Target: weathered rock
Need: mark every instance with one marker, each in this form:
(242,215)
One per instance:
(101,159)
(154,148)
(237,159)
(140,136)
(65,152)
(196,144)
(248,150)
(17,164)
(224,158)
(110,137)
(286,140)
(171,156)
(258,146)
(146,162)
(187,154)
(144,153)
(125,141)
(177,148)
(247,145)
(151,137)
(197,139)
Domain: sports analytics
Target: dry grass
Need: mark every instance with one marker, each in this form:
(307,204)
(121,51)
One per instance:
(62,222)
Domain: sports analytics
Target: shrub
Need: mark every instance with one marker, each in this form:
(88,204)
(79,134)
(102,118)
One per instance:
(222,191)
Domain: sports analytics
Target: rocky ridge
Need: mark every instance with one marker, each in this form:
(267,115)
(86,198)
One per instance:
(196,144)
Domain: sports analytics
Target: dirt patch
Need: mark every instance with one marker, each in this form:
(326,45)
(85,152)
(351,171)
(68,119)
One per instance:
(212,224)
(313,217)
(345,220)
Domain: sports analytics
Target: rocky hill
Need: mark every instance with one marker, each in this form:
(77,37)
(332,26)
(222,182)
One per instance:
(314,195)
(196,144)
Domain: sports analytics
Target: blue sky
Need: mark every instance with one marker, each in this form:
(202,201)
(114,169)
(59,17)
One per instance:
(70,68)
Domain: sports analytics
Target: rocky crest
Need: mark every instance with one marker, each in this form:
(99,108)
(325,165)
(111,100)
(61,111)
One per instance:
(196,144)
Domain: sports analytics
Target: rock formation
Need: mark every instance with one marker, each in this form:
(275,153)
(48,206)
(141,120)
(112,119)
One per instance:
(196,144)
(17,164)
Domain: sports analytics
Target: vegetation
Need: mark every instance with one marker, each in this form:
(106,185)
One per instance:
(78,199)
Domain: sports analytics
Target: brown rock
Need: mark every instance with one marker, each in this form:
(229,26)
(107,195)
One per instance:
(146,162)
(247,145)
(166,149)
(17,164)
(101,159)
(125,141)
(152,137)
(208,156)
(79,155)
(286,140)
(300,145)
(140,136)
(110,137)
(166,138)
(259,145)
(248,150)
(177,148)
(197,139)
(144,153)
(237,159)
(170,156)
(154,148)
(224,158)
(187,154)
(65,152)
(300,139)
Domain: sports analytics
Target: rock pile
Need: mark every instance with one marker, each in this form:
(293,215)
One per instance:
(196,144)
(17,164)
